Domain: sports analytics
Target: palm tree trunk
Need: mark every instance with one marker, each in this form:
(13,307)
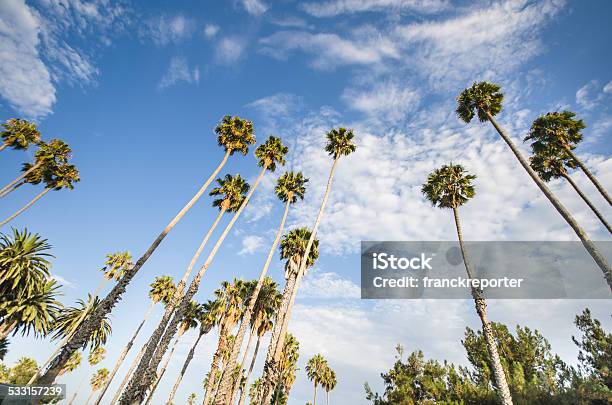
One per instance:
(127,376)
(242,365)
(588,244)
(107,304)
(4,191)
(588,202)
(6,330)
(3,146)
(210,384)
(314,400)
(481,307)
(124,354)
(327,398)
(162,371)
(76,392)
(25,207)
(588,173)
(244,390)
(178,295)
(15,187)
(225,392)
(89,397)
(281,339)
(136,390)
(184,369)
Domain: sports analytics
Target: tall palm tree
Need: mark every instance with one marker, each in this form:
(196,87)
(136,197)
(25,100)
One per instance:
(451,187)
(19,134)
(190,321)
(209,318)
(329,382)
(269,154)
(49,154)
(290,187)
(234,135)
(315,370)
(485,100)
(231,193)
(55,178)
(339,143)
(97,381)
(292,248)
(559,130)
(287,369)
(162,290)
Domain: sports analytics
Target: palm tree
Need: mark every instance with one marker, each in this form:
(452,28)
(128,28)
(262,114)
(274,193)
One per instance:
(162,290)
(329,382)
(192,398)
(484,99)
(19,134)
(269,154)
(560,131)
(450,187)
(290,187)
(234,135)
(49,155)
(339,143)
(209,318)
(72,364)
(287,369)
(69,317)
(231,191)
(97,381)
(55,178)
(255,391)
(190,321)
(315,370)
(96,355)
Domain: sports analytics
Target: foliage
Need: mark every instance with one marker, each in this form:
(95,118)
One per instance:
(162,290)
(20,373)
(340,142)
(70,318)
(96,355)
(271,152)
(4,344)
(116,265)
(293,247)
(19,134)
(291,186)
(73,362)
(233,190)
(479,99)
(235,134)
(99,379)
(449,186)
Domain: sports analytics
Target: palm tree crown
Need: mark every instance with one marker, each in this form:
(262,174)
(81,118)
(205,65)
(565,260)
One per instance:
(117,264)
(315,369)
(232,189)
(293,246)
(162,289)
(291,186)
(73,362)
(99,379)
(96,355)
(190,318)
(19,134)
(62,176)
(481,98)
(235,134)
(557,130)
(269,153)
(70,318)
(340,142)
(449,186)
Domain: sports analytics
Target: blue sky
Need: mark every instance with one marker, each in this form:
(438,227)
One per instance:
(136,89)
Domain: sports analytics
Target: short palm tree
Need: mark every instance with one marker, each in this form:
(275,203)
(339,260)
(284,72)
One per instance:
(96,355)
(49,154)
(234,134)
(289,188)
(292,248)
(19,134)
(209,318)
(329,382)
(55,178)
(162,290)
(315,370)
(97,382)
(269,154)
(560,131)
(485,100)
(451,187)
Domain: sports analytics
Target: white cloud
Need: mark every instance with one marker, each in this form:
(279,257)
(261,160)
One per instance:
(179,71)
(318,285)
(280,104)
(591,94)
(164,29)
(608,88)
(332,8)
(251,244)
(230,49)
(254,7)
(384,100)
(290,22)
(210,30)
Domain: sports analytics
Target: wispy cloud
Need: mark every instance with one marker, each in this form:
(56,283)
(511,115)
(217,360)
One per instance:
(179,71)
(254,7)
(164,29)
(230,49)
(210,30)
(385,100)
(332,8)
(251,244)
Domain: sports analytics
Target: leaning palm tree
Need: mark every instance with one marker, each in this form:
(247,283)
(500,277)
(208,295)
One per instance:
(234,135)
(269,154)
(560,131)
(290,187)
(19,134)
(190,321)
(485,100)
(208,319)
(49,154)
(329,382)
(339,143)
(451,187)
(315,370)
(97,381)
(162,290)
(231,193)
(55,178)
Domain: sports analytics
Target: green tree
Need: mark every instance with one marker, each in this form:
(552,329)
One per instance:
(97,382)
(19,134)
(21,372)
(287,370)
(329,382)
(234,134)
(71,316)
(485,100)
(315,370)
(451,187)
